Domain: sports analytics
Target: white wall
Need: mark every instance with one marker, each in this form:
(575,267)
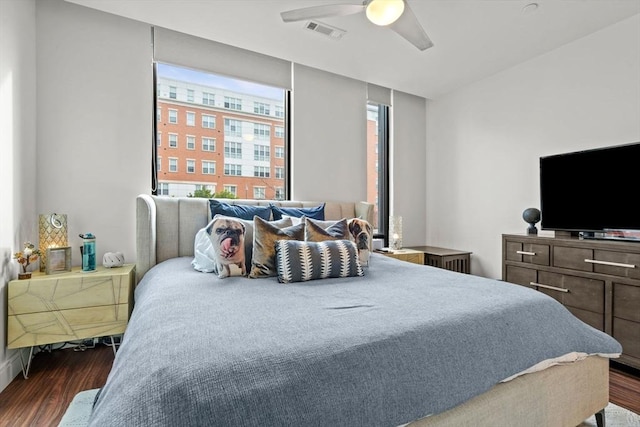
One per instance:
(484,141)
(18,166)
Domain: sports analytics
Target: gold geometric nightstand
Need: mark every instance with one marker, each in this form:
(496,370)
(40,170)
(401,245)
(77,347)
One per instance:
(48,309)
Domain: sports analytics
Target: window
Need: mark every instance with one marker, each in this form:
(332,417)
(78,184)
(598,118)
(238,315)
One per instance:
(208,98)
(173,140)
(261,171)
(247,117)
(232,127)
(261,131)
(261,108)
(173,164)
(232,150)
(377,164)
(261,152)
(208,144)
(191,118)
(232,170)
(233,103)
(173,92)
(259,192)
(159,114)
(159,163)
(191,166)
(208,122)
(279,152)
(208,167)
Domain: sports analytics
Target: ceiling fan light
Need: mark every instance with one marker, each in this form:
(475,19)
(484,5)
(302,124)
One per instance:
(384,12)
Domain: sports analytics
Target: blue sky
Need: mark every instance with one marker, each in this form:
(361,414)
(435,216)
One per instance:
(242,86)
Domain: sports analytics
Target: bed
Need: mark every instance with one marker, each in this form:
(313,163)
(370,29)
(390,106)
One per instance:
(403,344)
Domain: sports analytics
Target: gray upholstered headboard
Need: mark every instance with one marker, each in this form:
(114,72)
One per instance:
(166,226)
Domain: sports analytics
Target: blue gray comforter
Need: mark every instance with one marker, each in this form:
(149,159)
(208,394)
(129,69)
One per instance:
(402,342)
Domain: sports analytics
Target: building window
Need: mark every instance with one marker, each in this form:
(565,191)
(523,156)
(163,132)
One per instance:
(173,164)
(208,122)
(173,116)
(232,170)
(159,139)
(191,142)
(163,189)
(173,92)
(233,103)
(279,132)
(191,166)
(191,118)
(190,95)
(279,154)
(279,172)
(261,171)
(232,150)
(173,140)
(261,108)
(261,152)
(232,127)
(233,189)
(159,163)
(159,114)
(208,144)
(261,131)
(259,193)
(279,111)
(208,98)
(208,167)
(279,193)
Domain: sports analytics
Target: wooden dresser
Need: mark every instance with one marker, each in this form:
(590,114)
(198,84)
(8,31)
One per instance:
(597,280)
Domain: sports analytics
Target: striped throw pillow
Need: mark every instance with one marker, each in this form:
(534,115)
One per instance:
(300,261)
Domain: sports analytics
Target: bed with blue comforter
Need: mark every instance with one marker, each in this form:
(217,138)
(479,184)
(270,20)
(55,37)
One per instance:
(400,343)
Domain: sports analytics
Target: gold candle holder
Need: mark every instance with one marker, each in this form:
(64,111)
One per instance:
(52,234)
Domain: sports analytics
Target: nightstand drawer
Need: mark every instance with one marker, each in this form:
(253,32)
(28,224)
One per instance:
(26,330)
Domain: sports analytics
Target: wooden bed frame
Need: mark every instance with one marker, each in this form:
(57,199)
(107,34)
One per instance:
(562,395)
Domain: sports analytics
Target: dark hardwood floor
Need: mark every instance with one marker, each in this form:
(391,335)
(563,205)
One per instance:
(56,377)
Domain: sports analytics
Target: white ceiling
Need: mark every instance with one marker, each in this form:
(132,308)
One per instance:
(473,38)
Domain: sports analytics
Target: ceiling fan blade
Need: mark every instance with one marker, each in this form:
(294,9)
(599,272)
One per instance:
(409,28)
(321,12)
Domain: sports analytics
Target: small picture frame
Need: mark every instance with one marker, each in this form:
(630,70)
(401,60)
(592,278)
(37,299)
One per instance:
(58,260)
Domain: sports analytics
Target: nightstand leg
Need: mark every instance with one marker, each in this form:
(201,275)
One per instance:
(113,345)
(25,370)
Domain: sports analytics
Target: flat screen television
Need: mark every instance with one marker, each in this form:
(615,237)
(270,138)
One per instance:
(591,191)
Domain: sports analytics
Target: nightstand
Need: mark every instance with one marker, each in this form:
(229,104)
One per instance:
(449,259)
(48,309)
(405,254)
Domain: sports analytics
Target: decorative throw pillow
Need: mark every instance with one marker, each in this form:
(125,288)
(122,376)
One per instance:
(315,213)
(227,237)
(246,212)
(302,261)
(315,231)
(265,235)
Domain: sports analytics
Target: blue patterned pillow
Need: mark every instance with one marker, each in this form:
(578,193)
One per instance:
(315,213)
(239,211)
(298,261)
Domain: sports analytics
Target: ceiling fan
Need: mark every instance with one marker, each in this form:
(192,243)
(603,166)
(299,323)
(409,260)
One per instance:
(396,14)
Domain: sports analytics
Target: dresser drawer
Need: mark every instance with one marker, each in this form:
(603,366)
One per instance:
(628,334)
(573,291)
(616,263)
(572,258)
(527,252)
(592,319)
(626,302)
(520,275)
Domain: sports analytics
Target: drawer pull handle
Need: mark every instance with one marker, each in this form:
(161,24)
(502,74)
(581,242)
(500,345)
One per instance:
(553,288)
(615,264)
(526,253)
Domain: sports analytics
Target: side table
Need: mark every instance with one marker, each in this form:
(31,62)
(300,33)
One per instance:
(405,254)
(71,306)
(449,259)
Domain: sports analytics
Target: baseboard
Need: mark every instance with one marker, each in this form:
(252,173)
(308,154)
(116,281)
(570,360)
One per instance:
(11,368)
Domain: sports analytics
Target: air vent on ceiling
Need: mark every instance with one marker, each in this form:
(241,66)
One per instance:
(324,29)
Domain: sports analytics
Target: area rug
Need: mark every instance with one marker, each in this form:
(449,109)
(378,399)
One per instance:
(77,415)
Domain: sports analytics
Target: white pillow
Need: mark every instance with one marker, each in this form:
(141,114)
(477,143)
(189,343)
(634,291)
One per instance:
(204,256)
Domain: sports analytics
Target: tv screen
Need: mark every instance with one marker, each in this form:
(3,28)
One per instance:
(591,190)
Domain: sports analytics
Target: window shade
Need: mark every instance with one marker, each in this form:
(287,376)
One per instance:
(378,94)
(206,55)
